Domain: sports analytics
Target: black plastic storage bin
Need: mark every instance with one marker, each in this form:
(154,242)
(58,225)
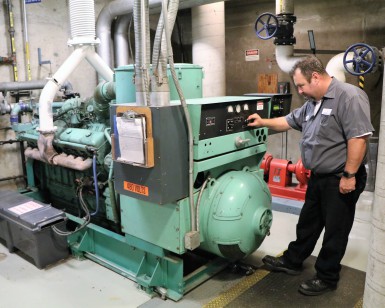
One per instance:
(26,224)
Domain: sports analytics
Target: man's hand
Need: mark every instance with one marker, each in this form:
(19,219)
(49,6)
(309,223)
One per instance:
(278,124)
(347,185)
(254,120)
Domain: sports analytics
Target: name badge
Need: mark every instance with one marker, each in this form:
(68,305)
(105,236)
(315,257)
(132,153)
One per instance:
(326,111)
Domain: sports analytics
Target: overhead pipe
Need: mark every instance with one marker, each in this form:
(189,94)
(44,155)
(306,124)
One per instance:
(121,45)
(122,7)
(284,50)
(103,26)
(335,66)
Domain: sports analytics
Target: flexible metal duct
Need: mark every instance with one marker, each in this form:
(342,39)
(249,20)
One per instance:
(160,89)
(82,19)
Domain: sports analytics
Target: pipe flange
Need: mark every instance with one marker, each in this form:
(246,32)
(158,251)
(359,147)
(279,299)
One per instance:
(83,40)
(284,35)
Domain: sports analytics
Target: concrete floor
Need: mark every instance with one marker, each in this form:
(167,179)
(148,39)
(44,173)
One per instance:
(73,283)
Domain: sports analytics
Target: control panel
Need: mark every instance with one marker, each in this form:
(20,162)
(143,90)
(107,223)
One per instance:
(230,117)
(280,103)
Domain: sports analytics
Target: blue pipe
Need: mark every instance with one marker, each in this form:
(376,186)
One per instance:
(95,184)
(17,109)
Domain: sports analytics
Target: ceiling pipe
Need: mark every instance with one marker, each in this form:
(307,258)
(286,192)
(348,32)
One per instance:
(121,42)
(284,53)
(123,7)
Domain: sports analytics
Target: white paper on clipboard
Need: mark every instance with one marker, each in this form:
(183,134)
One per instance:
(132,139)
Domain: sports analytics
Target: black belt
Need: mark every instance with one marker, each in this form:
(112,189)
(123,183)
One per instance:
(338,174)
(324,175)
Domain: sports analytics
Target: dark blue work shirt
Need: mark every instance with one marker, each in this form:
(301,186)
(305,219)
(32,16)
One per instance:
(344,114)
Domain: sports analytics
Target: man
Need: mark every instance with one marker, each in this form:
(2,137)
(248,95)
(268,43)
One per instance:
(335,125)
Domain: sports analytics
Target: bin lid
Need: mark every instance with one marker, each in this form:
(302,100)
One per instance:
(28,212)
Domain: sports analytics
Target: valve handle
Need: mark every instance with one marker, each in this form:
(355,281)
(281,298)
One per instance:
(266,22)
(364,59)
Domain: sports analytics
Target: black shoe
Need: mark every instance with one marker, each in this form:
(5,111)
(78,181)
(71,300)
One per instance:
(278,264)
(315,286)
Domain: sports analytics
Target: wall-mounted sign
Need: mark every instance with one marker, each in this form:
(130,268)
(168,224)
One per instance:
(252,55)
(32,1)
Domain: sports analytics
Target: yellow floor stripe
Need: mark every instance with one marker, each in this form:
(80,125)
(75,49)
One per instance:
(234,292)
(360,303)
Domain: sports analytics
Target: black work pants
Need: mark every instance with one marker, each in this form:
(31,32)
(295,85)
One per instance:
(325,207)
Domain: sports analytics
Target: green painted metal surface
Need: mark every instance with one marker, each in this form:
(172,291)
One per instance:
(148,245)
(189,76)
(204,149)
(195,109)
(153,268)
(229,161)
(163,225)
(235,214)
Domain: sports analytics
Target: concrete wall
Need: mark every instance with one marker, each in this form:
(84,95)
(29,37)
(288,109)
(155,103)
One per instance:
(336,25)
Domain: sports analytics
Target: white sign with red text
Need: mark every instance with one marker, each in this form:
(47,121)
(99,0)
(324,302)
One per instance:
(252,55)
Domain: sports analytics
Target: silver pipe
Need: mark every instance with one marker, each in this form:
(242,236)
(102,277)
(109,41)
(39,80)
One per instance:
(142,54)
(103,26)
(123,7)
(284,7)
(27,55)
(31,85)
(22,85)
(121,40)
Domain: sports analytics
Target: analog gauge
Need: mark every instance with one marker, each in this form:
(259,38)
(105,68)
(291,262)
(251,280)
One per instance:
(230,109)
(238,108)
(245,107)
